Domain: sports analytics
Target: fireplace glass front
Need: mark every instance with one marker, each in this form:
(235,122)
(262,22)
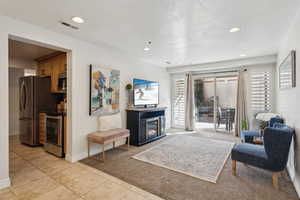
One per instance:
(152,128)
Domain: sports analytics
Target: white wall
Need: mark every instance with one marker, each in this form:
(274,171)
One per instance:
(288,100)
(4,179)
(227,64)
(82,55)
(14,75)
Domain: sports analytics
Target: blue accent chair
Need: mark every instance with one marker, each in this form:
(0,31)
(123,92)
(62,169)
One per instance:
(272,156)
(248,135)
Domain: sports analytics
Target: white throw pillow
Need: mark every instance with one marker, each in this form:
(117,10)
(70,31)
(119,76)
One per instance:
(266,116)
(109,122)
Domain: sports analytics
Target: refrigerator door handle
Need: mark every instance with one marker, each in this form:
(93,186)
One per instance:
(21,96)
(24,96)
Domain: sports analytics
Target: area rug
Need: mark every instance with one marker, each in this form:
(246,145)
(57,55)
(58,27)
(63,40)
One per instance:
(198,157)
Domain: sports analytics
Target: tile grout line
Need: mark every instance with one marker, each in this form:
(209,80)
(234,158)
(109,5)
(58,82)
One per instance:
(37,168)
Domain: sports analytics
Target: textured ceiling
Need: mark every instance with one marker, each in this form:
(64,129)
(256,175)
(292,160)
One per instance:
(182,32)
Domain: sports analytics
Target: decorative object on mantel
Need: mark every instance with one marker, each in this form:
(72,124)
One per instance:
(287,71)
(104,91)
(129,90)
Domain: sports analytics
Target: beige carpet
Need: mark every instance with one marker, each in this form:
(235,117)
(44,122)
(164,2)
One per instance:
(198,157)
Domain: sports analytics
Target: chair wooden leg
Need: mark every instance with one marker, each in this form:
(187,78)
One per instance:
(103,154)
(275,180)
(234,167)
(128,145)
(114,144)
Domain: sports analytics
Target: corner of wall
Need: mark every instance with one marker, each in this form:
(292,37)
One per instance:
(295,180)
(4,183)
(70,158)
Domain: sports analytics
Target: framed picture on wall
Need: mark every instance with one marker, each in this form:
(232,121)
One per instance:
(104,91)
(287,71)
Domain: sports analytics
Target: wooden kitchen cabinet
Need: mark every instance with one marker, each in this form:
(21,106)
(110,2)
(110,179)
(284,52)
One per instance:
(44,69)
(42,128)
(53,66)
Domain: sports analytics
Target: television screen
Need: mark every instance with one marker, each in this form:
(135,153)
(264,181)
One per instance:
(145,92)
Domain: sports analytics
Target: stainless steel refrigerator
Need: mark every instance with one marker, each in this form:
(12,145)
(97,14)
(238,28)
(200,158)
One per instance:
(35,97)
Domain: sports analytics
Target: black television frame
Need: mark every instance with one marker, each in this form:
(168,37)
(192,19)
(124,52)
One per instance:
(145,105)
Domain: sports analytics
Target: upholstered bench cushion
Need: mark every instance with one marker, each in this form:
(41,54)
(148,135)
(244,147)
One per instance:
(102,136)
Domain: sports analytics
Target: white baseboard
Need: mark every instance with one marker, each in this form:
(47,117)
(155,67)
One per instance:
(294,180)
(4,183)
(291,169)
(297,186)
(69,158)
(95,149)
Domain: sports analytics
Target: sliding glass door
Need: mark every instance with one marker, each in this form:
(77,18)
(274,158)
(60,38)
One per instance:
(215,100)
(226,89)
(205,103)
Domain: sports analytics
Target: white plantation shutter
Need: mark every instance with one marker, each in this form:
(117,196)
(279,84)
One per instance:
(261,91)
(178,102)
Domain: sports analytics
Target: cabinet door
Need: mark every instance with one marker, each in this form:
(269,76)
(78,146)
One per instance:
(62,63)
(41,69)
(42,124)
(44,68)
(55,75)
(48,68)
(58,66)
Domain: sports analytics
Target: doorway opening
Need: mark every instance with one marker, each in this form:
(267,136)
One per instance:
(215,102)
(38,114)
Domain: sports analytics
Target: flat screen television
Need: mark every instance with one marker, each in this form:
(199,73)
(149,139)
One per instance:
(146,93)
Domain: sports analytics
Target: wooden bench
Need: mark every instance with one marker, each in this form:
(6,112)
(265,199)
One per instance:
(107,137)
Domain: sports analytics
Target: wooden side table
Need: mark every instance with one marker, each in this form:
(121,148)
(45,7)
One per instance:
(258,140)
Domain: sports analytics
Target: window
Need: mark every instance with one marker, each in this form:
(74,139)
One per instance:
(261,91)
(178,102)
(29,72)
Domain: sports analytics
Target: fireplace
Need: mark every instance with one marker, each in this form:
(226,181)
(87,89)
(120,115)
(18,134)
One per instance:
(152,129)
(145,125)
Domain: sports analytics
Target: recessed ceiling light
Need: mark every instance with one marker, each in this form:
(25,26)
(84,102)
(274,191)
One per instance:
(146,49)
(243,55)
(78,20)
(235,29)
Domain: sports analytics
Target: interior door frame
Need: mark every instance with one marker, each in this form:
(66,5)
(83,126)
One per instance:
(69,85)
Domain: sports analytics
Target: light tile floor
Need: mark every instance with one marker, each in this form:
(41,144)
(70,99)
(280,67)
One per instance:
(38,175)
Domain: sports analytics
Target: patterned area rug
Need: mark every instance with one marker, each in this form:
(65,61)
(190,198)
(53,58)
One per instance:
(199,157)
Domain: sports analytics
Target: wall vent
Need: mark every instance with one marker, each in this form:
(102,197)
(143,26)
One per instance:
(69,25)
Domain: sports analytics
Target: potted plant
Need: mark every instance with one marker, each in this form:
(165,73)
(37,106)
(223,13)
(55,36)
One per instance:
(129,90)
(244,125)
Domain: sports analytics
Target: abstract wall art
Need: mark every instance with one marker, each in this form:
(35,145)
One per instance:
(104,91)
